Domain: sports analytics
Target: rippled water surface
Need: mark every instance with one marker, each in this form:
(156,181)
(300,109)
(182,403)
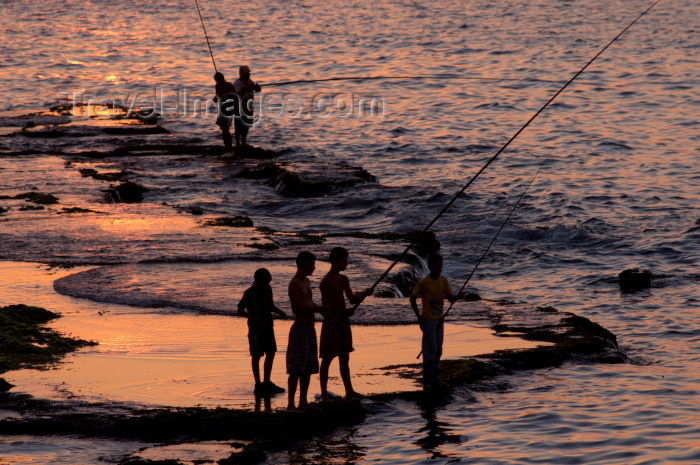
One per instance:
(620,189)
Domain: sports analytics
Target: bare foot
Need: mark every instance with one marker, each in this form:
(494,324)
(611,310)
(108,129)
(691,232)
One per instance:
(354,395)
(309,407)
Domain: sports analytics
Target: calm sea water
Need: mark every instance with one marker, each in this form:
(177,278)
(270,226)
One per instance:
(620,189)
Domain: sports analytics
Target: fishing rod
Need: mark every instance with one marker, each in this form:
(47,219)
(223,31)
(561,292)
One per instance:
(428,76)
(494,157)
(205,35)
(481,258)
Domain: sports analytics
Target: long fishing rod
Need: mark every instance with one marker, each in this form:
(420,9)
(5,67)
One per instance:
(428,76)
(205,35)
(481,258)
(493,158)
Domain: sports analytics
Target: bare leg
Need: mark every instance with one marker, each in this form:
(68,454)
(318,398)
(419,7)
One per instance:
(344,360)
(269,358)
(323,375)
(304,382)
(291,390)
(255,362)
(226,134)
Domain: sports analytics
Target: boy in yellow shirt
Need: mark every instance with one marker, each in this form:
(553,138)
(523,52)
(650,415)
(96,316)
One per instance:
(432,290)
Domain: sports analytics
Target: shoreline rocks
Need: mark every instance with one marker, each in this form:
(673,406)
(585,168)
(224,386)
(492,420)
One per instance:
(572,337)
(311,179)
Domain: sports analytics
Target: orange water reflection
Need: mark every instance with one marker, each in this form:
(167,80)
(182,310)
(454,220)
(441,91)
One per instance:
(157,358)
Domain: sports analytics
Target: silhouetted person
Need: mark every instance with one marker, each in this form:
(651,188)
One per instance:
(432,290)
(336,335)
(257,305)
(245,89)
(302,349)
(226,98)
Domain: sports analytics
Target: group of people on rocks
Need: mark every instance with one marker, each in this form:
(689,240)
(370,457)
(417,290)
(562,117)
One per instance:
(257,304)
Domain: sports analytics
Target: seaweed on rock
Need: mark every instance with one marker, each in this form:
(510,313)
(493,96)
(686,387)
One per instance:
(23,341)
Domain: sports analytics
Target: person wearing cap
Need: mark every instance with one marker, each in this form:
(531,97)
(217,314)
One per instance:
(244,88)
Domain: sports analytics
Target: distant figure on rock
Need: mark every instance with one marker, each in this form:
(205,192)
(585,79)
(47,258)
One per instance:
(432,290)
(257,305)
(302,349)
(245,89)
(336,335)
(226,98)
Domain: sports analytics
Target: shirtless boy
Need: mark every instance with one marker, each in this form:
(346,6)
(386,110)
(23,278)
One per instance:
(302,350)
(336,336)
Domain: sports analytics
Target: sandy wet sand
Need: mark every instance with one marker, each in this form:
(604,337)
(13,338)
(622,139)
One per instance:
(165,357)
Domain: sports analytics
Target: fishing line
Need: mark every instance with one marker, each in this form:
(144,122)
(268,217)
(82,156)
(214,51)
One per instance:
(493,158)
(205,35)
(481,258)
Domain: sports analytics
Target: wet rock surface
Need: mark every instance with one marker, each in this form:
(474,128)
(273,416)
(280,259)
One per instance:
(231,222)
(573,339)
(634,279)
(24,341)
(125,192)
(312,179)
(39,198)
(570,338)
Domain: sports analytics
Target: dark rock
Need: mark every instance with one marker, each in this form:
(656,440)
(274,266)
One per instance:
(112,177)
(231,221)
(258,153)
(126,192)
(472,297)
(23,340)
(38,197)
(131,130)
(634,280)
(75,210)
(5,386)
(195,211)
(248,456)
(269,246)
(140,461)
(47,134)
(305,180)
(291,185)
(260,171)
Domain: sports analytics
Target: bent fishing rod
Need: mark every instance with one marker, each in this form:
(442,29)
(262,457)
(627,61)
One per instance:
(506,145)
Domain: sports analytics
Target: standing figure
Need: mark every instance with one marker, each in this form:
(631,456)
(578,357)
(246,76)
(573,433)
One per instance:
(226,99)
(244,88)
(336,335)
(257,305)
(302,349)
(432,290)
